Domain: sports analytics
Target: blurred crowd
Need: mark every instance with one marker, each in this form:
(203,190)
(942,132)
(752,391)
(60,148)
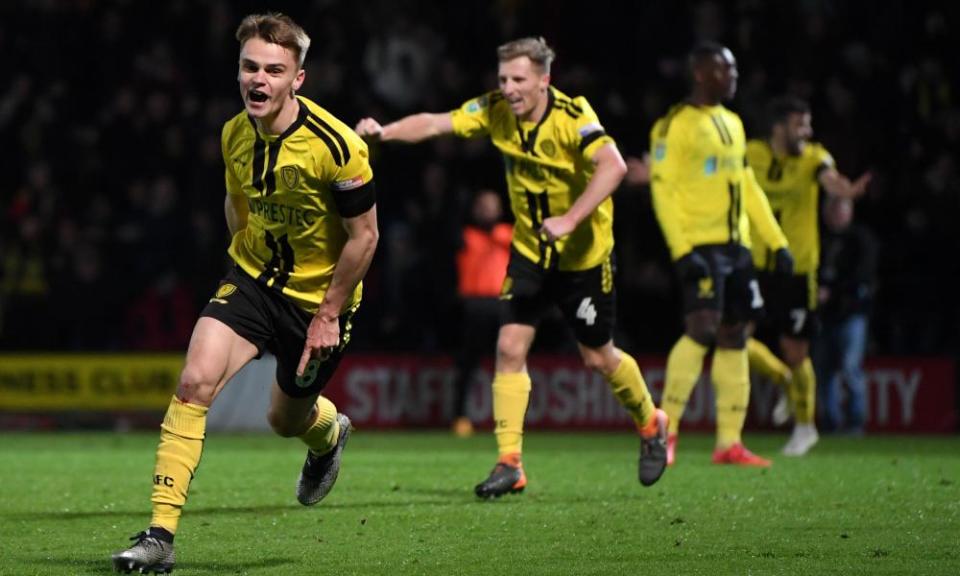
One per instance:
(112,234)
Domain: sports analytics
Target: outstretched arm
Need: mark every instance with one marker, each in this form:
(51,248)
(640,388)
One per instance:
(638,170)
(410,129)
(836,184)
(610,169)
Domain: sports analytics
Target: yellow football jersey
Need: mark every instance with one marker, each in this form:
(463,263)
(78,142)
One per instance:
(548,165)
(791,186)
(294,233)
(704,191)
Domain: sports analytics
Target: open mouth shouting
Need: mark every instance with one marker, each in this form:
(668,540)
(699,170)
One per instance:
(257,97)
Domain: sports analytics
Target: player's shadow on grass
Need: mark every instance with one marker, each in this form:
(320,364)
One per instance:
(96,566)
(451,494)
(459,496)
(59,515)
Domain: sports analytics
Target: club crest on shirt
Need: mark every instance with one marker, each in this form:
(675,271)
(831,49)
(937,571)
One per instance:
(477,104)
(290,176)
(222,292)
(548,148)
(225,290)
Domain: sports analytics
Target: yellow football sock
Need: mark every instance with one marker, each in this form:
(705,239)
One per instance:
(511,393)
(323,435)
(684,365)
(765,363)
(803,392)
(181,444)
(731,380)
(628,386)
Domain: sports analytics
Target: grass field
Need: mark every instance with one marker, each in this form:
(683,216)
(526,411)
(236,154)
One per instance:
(404,505)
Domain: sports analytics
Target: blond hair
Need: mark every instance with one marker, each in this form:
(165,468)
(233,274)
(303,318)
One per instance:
(276,28)
(536,49)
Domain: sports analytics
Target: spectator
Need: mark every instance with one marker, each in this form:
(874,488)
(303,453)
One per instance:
(847,269)
(481,268)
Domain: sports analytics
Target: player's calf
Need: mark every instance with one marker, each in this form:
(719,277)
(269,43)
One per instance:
(320,472)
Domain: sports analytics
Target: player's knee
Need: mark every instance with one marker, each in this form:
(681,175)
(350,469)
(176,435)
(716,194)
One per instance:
(703,336)
(594,362)
(702,326)
(732,336)
(283,426)
(599,362)
(702,333)
(511,355)
(196,385)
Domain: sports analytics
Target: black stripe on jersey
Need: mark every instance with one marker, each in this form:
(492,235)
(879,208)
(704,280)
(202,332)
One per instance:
(724,136)
(259,149)
(356,201)
(301,118)
(343,143)
(527,143)
(723,126)
(665,125)
(539,211)
(570,103)
(271,179)
(272,267)
(548,250)
(281,262)
(568,106)
(733,215)
(286,251)
(334,151)
(570,112)
(534,211)
(591,138)
(535,222)
(775,171)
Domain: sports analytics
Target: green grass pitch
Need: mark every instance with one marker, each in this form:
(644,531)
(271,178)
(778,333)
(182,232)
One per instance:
(404,505)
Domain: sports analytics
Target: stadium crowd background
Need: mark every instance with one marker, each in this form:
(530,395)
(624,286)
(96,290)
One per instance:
(111,222)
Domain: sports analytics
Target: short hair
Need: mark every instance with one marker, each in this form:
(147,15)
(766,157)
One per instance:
(780,108)
(276,28)
(536,49)
(703,50)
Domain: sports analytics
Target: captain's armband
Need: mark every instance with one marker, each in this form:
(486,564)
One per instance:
(352,202)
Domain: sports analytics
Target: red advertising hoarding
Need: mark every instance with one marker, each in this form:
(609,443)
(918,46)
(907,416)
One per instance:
(904,394)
